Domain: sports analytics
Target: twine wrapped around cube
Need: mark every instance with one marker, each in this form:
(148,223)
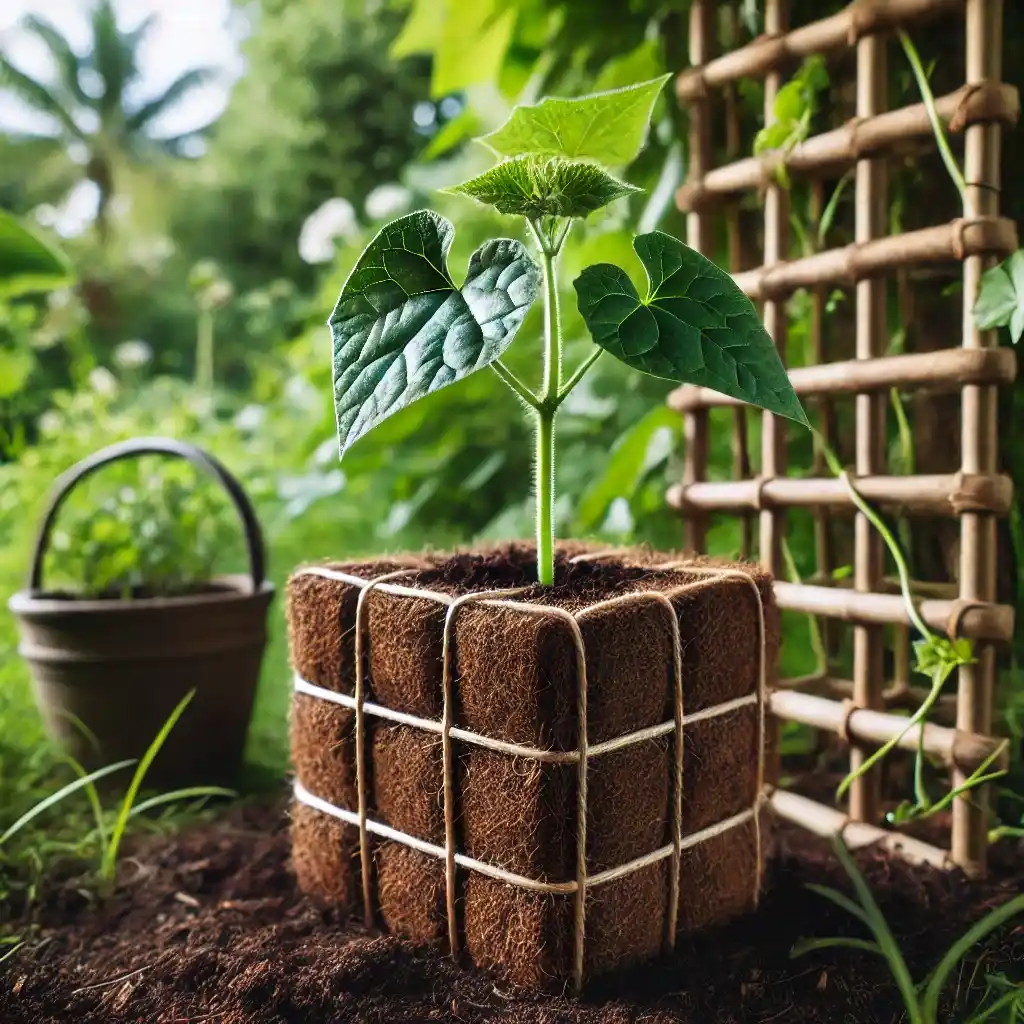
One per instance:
(498,777)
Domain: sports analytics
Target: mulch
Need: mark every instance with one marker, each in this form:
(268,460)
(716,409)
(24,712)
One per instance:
(211,927)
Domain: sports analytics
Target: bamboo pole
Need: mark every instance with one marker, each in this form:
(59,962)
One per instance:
(897,695)
(945,370)
(871,214)
(740,438)
(826,822)
(699,237)
(982,621)
(771,522)
(834,151)
(946,243)
(965,751)
(940,495)
(979,431)
(775,48)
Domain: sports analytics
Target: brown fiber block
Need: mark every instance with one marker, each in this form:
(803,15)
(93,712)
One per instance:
(323,749)
(325,856)
(516,679)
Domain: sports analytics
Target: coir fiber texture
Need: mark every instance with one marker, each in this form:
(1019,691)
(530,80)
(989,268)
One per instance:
(515,679)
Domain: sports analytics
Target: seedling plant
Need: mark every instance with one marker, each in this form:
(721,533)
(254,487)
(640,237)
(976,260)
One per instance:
(920,999)
(401,328)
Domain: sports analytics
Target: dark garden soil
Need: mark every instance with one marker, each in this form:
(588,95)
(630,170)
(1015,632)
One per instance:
(211,927)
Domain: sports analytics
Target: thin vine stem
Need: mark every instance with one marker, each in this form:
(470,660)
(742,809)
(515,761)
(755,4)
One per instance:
(515,384)
(579,374)
(928,97)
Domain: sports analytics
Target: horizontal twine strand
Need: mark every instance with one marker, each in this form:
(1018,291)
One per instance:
(304,796)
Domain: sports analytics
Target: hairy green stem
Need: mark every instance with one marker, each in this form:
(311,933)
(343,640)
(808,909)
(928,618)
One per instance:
(928,97)
(579,374)
(515,383)
(546,412)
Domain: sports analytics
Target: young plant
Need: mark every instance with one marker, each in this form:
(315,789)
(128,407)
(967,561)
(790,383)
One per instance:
(920,999)
(402,329)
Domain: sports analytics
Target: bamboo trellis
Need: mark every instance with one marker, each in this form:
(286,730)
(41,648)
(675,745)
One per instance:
(859,709)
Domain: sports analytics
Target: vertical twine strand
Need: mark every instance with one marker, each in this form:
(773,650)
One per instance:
(361,658)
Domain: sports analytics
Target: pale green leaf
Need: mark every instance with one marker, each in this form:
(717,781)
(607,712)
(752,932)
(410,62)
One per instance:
(641,63)
(625,466)
(402,329)
(609,127)
(1001,298)
(421,32)
(473,42)
(27,264)
(532,186)
(694,326)
(15,367)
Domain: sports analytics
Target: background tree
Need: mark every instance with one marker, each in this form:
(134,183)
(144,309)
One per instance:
(88,101)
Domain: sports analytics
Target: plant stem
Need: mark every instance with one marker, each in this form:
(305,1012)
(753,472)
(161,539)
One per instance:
(546,412)
(579,374)
(928,97)
(514,383)
(204,350)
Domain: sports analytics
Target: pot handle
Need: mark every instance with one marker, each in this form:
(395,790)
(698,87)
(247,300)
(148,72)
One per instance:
(203,461)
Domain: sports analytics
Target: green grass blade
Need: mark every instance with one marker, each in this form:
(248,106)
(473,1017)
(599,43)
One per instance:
(962,947)
(886,941)
(94,799)
(841,901)
(1014,1000)
(65,791)
(190,793)
(108,866)
(812,945)
(14,949)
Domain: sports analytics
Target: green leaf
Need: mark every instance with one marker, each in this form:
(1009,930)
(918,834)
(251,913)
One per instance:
(609,127)
(1001,298)
(27,264)
(625,467)
(694,326)
(532,186)
(402,329)
(642,63)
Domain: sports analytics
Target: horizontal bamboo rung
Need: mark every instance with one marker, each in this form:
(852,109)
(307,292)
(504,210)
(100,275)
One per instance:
(827,822)
(896,695)
(949,495)
(840,31)
(978,621)
(953,748)
(891,585)
(945,243)
(945,370)
(835,151)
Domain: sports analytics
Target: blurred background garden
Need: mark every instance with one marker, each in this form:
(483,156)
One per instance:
(210,172)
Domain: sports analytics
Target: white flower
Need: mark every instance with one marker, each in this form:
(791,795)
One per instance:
(103,382)
(250,418)
(50,422)
(387,201)
(131,355)
(334,219)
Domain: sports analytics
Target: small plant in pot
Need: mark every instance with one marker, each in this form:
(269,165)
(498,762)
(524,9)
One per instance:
(142,620)
(547,756)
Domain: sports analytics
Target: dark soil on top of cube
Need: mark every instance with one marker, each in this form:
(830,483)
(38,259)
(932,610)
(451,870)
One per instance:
(515,679)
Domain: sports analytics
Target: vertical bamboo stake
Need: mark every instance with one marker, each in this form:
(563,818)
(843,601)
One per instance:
(771,522)
(699,237)
(871,213)
(979,435)
(776,224)
(824,556)
(740,439)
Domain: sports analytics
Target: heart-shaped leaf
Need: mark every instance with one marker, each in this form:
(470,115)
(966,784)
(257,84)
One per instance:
(1001,298)
(606,126)
(532,186)
(695,325)
(402,329)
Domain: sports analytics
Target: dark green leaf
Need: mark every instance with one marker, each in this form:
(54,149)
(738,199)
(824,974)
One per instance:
(606,126)
(1001,298)
(531,186)
(402,329)
(27,264)
(695,325)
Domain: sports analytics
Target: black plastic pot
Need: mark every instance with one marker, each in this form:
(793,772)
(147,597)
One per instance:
(119,667)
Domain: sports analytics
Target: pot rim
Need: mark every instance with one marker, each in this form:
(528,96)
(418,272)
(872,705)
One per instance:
(237,588)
